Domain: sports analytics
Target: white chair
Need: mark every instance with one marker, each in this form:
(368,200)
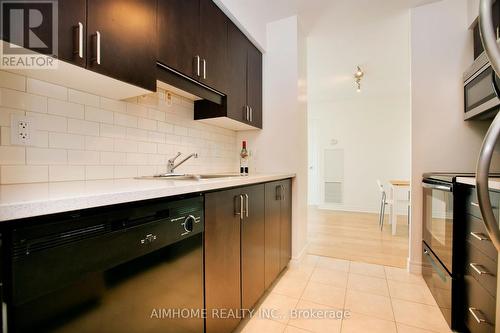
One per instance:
(383,202)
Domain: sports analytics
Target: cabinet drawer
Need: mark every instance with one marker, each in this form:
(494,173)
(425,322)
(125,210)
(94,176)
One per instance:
(481,268)
(472,206)
(480,308)
(478,237)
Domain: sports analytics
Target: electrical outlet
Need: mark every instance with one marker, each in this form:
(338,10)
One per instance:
(21,130)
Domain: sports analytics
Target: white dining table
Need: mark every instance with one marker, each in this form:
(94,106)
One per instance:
(396,187)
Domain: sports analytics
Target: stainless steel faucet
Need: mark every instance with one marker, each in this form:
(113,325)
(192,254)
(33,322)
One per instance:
(171,166)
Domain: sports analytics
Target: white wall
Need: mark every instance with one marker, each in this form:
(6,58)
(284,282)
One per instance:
(441,141)
(282,145)
(372,127)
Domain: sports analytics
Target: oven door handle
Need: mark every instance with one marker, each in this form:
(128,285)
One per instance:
(492,50)
(439,187)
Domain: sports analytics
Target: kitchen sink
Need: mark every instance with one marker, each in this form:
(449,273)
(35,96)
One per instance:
(193,176)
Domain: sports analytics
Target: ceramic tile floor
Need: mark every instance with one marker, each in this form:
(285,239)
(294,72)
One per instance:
(375,299)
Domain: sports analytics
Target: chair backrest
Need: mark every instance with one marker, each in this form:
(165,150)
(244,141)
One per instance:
(380,186)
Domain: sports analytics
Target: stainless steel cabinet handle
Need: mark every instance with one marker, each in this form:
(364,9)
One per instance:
(78,49)
(479,236)
(248,113)
(479,269)
(278,193)
(492,50)
(97,57)
(251,114)
(246,206)
(479,319)
(198,59)
(240,212)
(204,69)
(283,192)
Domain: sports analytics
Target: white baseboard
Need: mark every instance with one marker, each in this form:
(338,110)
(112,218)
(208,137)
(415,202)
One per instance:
(357,209)
(302,254)
(414,267)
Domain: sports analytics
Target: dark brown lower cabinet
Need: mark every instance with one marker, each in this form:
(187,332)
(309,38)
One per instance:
(247,245)
(278,229)
(222,258)
(252,246)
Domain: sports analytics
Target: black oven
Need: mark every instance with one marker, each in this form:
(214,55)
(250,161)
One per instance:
(481,90)
(443,239)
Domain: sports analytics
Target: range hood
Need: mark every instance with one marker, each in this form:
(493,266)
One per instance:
(172,80)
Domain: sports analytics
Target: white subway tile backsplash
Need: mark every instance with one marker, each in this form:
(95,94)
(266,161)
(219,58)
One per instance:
(80,136)
(66,141)
(46,122)
(42,156)
(156,115)
(59,173)
(165,127)
(137,134)
(94,172)
(112,131)
(10,155)
(126,146)
(113,105)
(147,147)
(112,158)
(137,110)
(125,171)
(83,127)
(81,97)
(99,115)
(5,115)
(24,174)
(24,101)
(99,143)
(38,87)
(126,120)
(147,124)
(12,81)
(81,157)
(66,109)
(156,137)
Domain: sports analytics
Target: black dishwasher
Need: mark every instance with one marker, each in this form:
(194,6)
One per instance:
(126,268)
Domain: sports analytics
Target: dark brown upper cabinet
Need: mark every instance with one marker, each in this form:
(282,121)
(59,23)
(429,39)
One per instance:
(178,36)
(237,73)
(213,45)
(72,31)
(254,86)
(192,39)
(242,109)
(121,39)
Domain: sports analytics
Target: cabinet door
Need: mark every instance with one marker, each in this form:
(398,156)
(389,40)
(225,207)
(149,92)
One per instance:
(213,45)
(254,86)
(72,31)
(286,224)
(127,40)
(272,234)
(237,73)
(222,258)
(252,247)
(178,35)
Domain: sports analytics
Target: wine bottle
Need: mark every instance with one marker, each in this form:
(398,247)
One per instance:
(244,159)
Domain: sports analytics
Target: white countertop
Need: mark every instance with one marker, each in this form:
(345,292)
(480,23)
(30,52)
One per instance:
(29,200)
(493,183)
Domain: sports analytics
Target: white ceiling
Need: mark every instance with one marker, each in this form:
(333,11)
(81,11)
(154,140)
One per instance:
(310,10)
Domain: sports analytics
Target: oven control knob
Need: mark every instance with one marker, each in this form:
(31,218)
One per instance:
(189,223)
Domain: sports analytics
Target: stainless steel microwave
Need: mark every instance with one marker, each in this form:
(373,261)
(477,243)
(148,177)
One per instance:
(481,90)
